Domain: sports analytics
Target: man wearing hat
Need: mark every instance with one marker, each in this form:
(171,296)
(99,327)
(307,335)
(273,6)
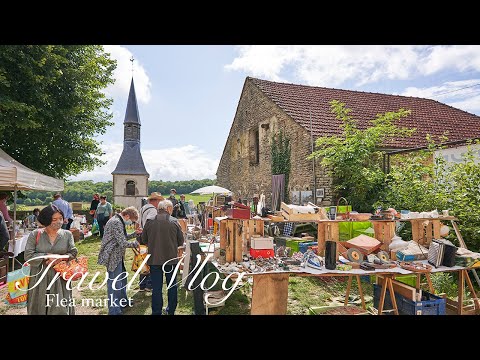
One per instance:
(148,212)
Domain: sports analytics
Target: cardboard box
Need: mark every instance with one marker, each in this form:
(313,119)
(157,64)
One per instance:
(261,243)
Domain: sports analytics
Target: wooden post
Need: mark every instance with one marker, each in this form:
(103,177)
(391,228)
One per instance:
(335,233)
(347,293)
(436,229)
(238,241)
(472,290)
(321,238)
(392,294)
(360,291)
(269,294)
(461,280)
(230,240)
(415,234)
(429,233)
(382,297)
(246,237)
(430,284)
(223,241)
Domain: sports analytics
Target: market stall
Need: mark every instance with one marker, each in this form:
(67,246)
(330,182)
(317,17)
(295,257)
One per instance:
(246,247)
(14,176)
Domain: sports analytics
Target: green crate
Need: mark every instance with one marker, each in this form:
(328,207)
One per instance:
(293,243)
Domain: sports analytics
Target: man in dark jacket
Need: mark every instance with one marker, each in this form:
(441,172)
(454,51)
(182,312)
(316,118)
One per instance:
(163,236)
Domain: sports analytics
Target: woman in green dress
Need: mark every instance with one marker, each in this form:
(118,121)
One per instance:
(52,239)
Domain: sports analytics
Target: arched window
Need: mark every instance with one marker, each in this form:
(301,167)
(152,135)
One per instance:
(130,188)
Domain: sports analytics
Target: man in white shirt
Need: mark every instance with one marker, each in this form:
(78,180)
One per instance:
(148,212)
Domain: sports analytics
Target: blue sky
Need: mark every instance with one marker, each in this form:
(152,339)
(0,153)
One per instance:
(187,95)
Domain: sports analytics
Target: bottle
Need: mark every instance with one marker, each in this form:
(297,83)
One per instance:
(330,255)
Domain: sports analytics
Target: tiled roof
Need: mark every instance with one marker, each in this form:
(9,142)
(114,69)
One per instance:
(131,161)
(427,116)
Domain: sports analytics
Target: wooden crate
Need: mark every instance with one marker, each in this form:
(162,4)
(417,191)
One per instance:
(423,231)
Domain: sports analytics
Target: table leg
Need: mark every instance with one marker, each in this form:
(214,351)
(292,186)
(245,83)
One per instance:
(360,290)
(430,284)
(392,294)
(382,297)
(470,286)
(347,293)
(417,284)
(269,294)
(460,293)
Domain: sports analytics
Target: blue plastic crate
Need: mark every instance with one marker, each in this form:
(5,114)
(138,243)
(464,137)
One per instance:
(433,305)
(303,247)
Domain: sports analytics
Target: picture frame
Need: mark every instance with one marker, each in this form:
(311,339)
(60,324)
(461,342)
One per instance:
(320,193)
(306,196)
(295,197)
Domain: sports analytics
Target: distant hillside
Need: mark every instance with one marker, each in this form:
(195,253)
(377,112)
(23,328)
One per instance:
(84,190)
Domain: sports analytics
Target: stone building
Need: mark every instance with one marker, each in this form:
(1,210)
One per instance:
(303,113)
(130,178)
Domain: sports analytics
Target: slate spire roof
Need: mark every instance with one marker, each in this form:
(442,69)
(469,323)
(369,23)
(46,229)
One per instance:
(131,161)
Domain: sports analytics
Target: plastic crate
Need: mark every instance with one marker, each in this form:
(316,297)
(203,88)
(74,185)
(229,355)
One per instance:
(303,247)
(433,305)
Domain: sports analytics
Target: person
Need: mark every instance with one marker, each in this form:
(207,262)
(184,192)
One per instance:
(163,236)
(182,208)
(94,204)
(4,235)
(32,219)
(112,254)
(103,213)
(174,201)
(51,240)
(64,206)
(3,207)
(148,212)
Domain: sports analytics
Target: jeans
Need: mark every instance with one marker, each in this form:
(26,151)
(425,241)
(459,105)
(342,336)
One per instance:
(102,220)
(145,281)
(114,296)
(156,274)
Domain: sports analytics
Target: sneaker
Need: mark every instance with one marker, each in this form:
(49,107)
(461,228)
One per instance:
(164,311)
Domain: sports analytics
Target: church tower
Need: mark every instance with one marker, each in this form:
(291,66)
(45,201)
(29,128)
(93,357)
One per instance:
(130,178)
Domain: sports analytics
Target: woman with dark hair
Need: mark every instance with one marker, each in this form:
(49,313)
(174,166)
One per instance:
(103,213)
(49,240)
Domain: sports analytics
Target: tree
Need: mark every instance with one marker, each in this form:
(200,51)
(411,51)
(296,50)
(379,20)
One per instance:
(354,157)
(52,105)
(28,202)
(37,202)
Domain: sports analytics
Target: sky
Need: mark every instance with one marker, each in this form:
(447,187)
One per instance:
(187,95)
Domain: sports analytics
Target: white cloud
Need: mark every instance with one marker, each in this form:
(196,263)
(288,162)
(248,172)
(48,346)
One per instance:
(123,75)
(333,65)
(461,94)
(181,163)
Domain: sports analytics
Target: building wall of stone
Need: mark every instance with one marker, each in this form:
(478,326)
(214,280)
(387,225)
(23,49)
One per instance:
(119,190)
(238,169)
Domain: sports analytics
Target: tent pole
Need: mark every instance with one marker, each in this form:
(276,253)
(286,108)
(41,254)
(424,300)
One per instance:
(14,226)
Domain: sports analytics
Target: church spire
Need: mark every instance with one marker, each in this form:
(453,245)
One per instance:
(131,161)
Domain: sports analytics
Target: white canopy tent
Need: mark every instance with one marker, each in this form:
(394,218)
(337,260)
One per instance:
(15,176)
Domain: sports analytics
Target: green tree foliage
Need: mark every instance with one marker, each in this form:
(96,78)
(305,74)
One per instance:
(420,182)
(52,105)
(27,202)
(354,158)
(280,154)
(182,187)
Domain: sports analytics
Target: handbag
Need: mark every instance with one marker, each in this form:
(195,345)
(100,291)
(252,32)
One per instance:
(138,258)
(17,284)
(70,269)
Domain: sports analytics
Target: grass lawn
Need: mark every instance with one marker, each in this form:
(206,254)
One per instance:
(303,291)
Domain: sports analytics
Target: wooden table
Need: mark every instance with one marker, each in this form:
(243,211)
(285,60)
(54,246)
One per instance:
(270,291)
